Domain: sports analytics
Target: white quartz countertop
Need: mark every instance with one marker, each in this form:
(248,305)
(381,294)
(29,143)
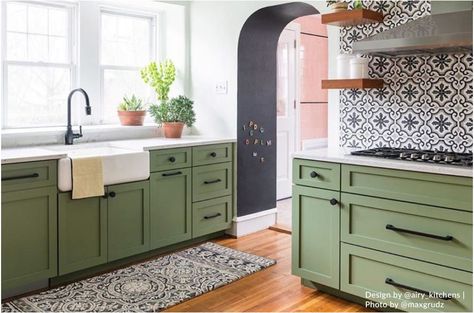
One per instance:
(52,152)
(342,155)
(27,154)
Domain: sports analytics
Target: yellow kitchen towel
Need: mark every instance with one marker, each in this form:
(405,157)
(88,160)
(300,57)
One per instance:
(87,177)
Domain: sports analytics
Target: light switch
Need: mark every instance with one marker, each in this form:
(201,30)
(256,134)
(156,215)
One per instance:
(221,87)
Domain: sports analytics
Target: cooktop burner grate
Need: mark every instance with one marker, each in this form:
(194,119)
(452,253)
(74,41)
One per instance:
(436,157)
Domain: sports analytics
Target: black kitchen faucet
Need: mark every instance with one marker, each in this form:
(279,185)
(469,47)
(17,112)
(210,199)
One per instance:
(70,135)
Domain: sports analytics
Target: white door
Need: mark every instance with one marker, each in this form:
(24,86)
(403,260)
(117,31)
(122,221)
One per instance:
(286,108)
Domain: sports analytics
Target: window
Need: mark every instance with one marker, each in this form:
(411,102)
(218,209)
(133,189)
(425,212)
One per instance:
(38,67)
(52,47)
(127,45)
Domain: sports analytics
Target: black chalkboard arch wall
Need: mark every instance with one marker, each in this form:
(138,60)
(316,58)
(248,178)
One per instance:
(256,104)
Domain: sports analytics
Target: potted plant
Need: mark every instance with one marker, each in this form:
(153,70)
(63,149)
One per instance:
(131,111)
(337,5)
(173,115)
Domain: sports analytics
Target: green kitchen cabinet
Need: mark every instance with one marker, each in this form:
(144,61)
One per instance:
(82,232)
(315,235)
(212,181)
(170,207)
(29,236)
(128,212)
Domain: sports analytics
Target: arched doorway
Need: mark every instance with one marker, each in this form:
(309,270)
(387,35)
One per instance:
(256,109)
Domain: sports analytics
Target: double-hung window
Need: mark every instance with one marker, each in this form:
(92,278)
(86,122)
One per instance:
(38,68)
(127,44)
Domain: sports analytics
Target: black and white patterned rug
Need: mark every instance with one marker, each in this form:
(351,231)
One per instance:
(150,286)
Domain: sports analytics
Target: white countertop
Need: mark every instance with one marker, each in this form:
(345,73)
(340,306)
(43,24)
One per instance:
(52,152)
(27,154)
(342,155)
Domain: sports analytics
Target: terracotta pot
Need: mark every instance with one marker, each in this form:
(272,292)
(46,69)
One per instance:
(173,130)
(131,118)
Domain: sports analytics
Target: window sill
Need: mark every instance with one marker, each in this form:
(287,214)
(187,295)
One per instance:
(91,133)
(34,131)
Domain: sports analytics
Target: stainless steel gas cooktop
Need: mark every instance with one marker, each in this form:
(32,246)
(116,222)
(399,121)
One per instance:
(437,157)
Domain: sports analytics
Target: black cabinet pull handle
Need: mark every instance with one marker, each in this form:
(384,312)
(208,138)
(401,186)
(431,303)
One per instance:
(333,201)
(314,174)
(212,216)
(172,159)
(414,232)
(34,175)
(213,154)
(390,281)
(171,174)
(207,182)
(112,194)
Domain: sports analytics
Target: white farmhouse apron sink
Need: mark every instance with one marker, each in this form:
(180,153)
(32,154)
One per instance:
(119,165)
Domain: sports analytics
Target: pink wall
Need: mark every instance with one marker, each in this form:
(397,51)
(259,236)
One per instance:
(314,67)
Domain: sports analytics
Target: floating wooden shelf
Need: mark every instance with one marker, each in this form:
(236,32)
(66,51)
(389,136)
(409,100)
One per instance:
(352,17)
(360,83)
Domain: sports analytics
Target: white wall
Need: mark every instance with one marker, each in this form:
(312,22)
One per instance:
(214,32)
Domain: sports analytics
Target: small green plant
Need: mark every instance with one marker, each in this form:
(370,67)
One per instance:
(160,77)
(357,4)
(179,109)
(131,104)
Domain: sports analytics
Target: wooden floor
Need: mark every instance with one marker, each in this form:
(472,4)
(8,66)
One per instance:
(273,289)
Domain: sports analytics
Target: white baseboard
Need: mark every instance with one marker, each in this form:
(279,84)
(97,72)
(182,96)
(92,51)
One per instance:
(251,223)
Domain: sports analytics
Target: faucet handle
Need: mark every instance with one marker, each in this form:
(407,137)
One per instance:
(78,135)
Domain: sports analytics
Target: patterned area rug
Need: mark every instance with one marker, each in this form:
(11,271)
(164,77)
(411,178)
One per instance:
(150,286)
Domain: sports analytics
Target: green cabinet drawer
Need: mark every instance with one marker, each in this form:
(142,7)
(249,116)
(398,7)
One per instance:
(428,233)
(29,236)
(29,175)
(212,181)
(211,216)
(82,232)
(168,159)
(212,154)
(316,174)
(315,235)
(170,207)
(128,217)
(432,189)
(365,271)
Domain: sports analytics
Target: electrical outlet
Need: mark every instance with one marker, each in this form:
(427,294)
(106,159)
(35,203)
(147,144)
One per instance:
(221,87)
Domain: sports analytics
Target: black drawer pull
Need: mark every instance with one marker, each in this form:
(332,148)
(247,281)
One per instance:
(414,232)
(172,159)
(213,154)
(333,201)
(171,174)
(207,217)
(437,295)
(207,182)
(34,175)
(314,174)
(112,194)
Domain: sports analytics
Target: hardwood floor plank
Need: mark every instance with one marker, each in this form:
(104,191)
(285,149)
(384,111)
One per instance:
(271,290)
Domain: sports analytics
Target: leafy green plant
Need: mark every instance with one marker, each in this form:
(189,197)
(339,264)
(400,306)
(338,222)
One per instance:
(131,104)
(179,109)
(160,77)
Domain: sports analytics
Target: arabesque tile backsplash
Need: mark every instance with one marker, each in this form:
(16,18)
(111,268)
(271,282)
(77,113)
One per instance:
(426,101)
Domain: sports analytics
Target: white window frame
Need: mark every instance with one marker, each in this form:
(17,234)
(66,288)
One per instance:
(153,47)
(72,51)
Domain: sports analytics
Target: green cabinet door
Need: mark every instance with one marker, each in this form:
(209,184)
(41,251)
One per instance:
(170,207)
(29,236)
(82,232)
(128,212)
(315,236)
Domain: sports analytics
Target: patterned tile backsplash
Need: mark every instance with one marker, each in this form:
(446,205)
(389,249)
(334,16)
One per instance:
(426,102)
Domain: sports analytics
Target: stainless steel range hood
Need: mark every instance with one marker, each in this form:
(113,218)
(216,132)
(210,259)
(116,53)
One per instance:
(438,33)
